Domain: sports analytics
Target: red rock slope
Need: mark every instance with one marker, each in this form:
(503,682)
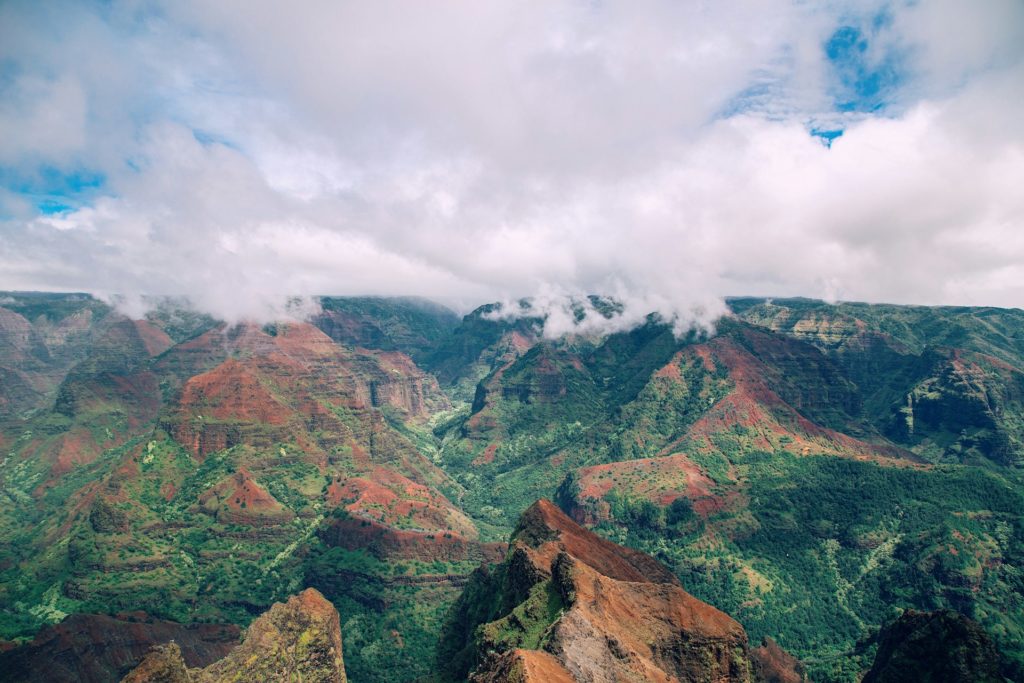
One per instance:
(571,606)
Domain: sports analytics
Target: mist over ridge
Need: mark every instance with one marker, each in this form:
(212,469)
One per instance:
(670,156)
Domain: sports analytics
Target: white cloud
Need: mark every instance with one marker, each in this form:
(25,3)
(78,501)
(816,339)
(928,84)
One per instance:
(656,151)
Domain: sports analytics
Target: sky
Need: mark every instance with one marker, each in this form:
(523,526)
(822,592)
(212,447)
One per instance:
(668,154)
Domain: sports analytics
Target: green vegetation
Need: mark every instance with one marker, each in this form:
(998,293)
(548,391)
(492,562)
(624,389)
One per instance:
(838,547)
(917,504)
(391,612)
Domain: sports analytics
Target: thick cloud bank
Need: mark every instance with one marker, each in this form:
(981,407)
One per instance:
(665,153)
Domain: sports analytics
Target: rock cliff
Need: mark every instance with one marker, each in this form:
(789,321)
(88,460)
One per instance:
(568,605)
(299,640)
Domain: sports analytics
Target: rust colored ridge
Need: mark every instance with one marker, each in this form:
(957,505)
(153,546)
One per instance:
(163,664)
(396,361)
(621,616)
(133,339)
(772,664)
(548,531)
(390,498)
(621,630)
(74,448)
(209,349)
(313,605)
(523,666)
(92,647)
(487,456)
(232,392)
(246,339)
(239,499)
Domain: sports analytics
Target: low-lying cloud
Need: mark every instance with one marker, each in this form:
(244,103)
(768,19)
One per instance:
(666,154)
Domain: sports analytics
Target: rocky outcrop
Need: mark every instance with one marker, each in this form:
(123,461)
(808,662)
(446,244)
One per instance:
(930,647)
(163,664)
(299,640)
(582,608)
(94,648)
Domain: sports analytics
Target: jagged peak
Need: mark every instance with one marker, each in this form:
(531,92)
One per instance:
(545,523)
(296,640)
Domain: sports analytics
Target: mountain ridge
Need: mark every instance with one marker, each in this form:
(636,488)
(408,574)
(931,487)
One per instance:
(206,479)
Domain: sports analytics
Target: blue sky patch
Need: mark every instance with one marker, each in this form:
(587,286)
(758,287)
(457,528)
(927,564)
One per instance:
(827,137)
(52,190)
(864,79)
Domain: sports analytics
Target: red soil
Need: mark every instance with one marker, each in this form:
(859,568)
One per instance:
(628,618)
(76,447)
(232,392)
(239,499)
(609,559)
(524,666)
(660,480)
(385,496)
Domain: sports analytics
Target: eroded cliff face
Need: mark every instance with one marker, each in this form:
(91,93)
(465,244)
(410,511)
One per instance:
(568,605)
(299,640)
(245,386)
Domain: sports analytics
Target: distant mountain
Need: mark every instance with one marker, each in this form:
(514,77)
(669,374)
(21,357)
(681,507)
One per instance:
(812,470)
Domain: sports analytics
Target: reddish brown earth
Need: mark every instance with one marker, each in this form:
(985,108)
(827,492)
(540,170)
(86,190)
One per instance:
(74,448)
(258,389)
(625,616)
(544,531)
(153,338)
(92,648)
(239,499)
(232,392)
(383,495)
(162,664)
(487,456)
